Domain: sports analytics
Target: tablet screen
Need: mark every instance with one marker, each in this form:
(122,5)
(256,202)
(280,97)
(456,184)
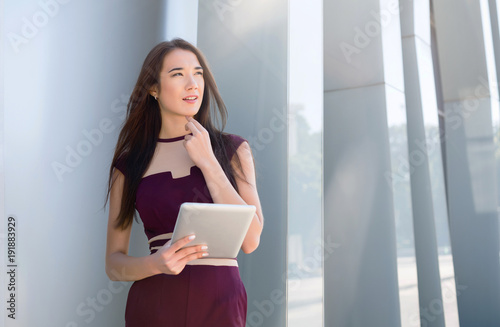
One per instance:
(222,227)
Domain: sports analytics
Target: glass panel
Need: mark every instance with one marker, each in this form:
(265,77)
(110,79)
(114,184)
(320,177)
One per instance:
(407,267)
(305,132)
(434,153)
(495,113)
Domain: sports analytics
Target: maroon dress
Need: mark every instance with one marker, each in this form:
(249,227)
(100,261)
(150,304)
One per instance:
(208,292)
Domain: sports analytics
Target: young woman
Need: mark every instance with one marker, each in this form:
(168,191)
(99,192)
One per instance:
(169,152)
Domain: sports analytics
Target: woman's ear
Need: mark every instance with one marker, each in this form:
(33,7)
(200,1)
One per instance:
(154,90)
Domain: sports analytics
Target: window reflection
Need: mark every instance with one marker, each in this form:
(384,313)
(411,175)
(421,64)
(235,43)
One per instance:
(305,133)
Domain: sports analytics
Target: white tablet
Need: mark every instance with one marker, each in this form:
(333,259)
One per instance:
(222,227)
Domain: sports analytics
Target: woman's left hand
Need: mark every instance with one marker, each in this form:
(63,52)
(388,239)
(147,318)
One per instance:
(198,145)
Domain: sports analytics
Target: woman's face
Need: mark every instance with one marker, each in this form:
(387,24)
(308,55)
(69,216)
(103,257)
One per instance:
(182,83)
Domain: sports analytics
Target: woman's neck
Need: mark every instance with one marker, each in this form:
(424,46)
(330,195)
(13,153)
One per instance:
(173,126)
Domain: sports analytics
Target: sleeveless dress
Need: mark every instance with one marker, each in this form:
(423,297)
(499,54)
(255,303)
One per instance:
(208,292)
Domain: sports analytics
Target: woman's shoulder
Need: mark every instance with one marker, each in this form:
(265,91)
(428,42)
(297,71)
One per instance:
(121,164)
(235,141)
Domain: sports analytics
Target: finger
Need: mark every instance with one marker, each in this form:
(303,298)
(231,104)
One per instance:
(186,139)
(179,265)
(192,128)
(167,244)
(195,122)
(192,121)
(189,250)
(191,257)
(182,254)
(180,243)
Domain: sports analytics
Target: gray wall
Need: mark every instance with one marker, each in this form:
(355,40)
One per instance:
(363,92)
(66,87)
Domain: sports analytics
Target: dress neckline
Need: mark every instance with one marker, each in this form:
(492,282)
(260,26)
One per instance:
(173,139)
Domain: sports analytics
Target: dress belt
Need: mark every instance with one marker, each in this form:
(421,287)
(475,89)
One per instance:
(196,262)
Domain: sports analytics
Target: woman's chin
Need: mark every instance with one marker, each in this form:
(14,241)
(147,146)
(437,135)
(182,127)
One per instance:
(191,112)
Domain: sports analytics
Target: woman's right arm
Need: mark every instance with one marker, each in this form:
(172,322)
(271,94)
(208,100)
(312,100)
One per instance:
(169,259)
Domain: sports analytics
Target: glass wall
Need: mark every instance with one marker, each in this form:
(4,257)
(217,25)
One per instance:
(434,129)
(470,107)
(305,156)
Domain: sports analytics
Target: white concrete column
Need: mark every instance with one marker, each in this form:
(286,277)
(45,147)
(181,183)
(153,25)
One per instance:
(430,217)
(470,94)
(364,98)
(181,20)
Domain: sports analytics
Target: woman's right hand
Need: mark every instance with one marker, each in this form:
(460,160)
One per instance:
(171,259)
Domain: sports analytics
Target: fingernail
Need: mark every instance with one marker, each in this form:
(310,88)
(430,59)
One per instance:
(204,247)
(192,237)
(204,254)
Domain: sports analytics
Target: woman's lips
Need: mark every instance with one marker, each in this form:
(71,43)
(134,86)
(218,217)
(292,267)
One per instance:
(191,99)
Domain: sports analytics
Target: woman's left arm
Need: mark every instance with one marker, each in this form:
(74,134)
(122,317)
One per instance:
(221,190)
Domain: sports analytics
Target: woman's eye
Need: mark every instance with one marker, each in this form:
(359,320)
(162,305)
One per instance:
(180,74)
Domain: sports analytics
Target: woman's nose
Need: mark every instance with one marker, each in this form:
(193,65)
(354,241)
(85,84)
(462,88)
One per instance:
(191,84)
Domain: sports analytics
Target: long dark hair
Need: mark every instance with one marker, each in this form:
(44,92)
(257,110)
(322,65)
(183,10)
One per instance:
(139,135)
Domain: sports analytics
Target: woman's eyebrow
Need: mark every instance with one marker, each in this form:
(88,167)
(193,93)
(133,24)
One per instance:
(180,68)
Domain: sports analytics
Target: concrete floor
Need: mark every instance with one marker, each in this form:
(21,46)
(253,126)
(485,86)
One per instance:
(305,297)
